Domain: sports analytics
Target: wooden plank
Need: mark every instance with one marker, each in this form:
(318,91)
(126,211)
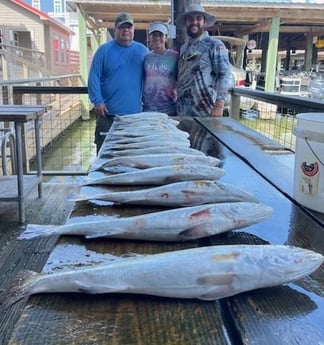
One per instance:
(16,255)
(9,188)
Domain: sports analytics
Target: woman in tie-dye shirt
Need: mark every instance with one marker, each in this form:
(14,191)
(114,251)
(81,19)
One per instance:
(161,69)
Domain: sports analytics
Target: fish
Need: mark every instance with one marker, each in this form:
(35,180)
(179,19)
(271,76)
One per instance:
(154,160)
(140,134)
(154,141)
(145,123)
(150,150)
(142,116)
(159,175)
(177,224)
(184,193)
(204,273)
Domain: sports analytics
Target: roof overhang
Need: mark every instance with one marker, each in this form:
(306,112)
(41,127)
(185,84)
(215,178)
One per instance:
(231,16)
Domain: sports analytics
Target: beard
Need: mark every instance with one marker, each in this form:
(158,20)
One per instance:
(194,34)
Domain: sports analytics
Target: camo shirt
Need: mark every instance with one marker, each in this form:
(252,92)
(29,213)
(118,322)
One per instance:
(203,76)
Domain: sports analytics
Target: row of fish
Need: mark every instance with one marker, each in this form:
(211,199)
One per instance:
(148,150)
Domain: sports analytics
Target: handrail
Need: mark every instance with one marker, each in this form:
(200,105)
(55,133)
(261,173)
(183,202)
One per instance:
(8,138)
(298,103)
(50,89)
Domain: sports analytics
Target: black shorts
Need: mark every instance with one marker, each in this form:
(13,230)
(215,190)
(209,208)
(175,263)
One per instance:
(103,125)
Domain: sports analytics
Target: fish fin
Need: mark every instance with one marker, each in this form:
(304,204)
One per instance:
(79,197)
(133,255)
(217,293)
(98,289)
(216,279)
(220,285)
(194,232)
(90,288)
(107,233)
(37,231)
(19,288)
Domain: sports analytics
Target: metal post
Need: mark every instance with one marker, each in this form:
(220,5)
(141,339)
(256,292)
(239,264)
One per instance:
(272,55)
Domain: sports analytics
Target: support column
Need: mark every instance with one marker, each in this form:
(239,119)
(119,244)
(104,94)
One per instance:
(272,55)
(308,53)
(83,48)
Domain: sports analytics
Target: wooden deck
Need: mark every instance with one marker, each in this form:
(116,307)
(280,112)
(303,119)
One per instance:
(52,208)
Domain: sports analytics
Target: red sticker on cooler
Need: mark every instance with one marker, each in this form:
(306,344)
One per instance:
(310,169)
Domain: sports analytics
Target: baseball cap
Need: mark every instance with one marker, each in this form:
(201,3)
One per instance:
(158,26)
(123,18)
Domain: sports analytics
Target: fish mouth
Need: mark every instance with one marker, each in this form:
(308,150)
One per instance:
(305,263)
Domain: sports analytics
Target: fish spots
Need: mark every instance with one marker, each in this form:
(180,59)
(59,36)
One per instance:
(165,195)
(203,214)
(225,257)
(202,183)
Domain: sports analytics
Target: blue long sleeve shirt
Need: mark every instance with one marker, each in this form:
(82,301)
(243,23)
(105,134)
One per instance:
(116,77)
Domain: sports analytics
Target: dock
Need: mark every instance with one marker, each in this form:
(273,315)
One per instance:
(288,314)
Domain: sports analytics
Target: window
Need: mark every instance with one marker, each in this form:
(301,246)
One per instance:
(36,4)
(57,6)
(62,50)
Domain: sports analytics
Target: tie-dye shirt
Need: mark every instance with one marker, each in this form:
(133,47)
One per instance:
(203,75)
(160,81)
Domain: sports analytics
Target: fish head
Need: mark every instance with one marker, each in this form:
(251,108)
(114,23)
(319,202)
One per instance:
(284,264)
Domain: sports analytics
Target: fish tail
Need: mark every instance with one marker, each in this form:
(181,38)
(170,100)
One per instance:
(20,287)
(78,197)
(37,231)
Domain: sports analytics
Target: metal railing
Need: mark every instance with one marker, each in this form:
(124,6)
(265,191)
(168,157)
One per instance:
(272,114)
(67,130)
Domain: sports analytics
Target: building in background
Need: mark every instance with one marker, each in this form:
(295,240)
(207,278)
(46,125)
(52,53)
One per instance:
(33,44)
(62,10)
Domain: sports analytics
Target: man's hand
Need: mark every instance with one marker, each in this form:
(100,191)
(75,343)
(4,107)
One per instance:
(101,109)
(217,111)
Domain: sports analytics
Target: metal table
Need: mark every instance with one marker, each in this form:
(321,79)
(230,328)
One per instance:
(13,188)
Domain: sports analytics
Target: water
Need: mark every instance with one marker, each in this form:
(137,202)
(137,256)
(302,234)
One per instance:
(70,155)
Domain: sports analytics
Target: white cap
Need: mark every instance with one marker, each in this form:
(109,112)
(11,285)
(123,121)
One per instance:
(158,26)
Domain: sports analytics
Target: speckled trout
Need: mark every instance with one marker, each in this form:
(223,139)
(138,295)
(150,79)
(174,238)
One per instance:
(160,175)
(185,193)
(206,273)
(178,224)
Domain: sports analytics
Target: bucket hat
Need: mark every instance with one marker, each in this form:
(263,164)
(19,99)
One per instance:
(158,26)
(195,8)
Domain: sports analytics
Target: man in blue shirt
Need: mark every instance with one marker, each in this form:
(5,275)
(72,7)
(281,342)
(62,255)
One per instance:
(116,76)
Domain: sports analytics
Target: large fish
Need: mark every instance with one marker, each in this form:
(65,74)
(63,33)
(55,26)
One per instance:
(178,224)
(156,160)
(206,273)
(148,139)
(145,115)
(148,122)
(186,193)
(160,175)
(150,150)
(139,134)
